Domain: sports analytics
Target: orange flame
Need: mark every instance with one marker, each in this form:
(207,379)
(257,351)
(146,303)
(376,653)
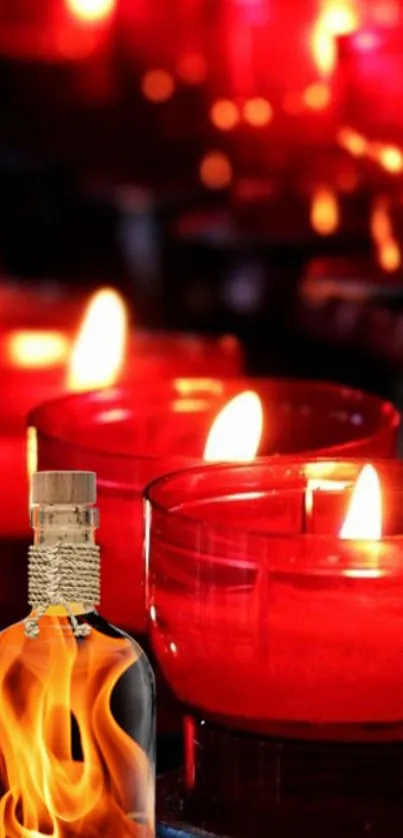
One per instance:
(324,211)
(37,349)
(389,255)
(99,351)
(390,158)
(236,432)
(91,10)
(67,768)
(364,516)
(338,17)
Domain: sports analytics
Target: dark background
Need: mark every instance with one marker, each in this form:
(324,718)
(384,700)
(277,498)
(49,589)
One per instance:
(131,155)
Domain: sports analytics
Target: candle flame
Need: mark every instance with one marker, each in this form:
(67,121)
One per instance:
(390,158)
(33,349)
(389,255)
(364,516)
(91,10)
(338,17)
(236,432)
(99,350)
(324,211)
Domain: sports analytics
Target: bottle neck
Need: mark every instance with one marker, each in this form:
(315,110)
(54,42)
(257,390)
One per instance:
(65,527)
(53,525)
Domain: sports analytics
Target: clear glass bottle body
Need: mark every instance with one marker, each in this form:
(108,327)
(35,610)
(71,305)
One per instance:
(76,733)
(77,729)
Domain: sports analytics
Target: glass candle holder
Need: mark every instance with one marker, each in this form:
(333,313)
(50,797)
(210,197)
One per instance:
(34,368)
(283,641)
(166,354)
(129,436)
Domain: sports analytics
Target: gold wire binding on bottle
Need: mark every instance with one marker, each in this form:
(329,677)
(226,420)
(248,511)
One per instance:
(59,575)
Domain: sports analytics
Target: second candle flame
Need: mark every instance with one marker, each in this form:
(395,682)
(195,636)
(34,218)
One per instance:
(236,432)
(99,350)
(364,516)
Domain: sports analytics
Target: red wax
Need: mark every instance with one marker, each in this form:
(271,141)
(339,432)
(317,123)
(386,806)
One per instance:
(369,83)
(166,354)
(134,434)
(254,622)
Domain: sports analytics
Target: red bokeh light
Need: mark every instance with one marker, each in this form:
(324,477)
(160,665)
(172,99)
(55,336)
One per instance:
(157,85)
(224,114)
(215,170)
(257,112)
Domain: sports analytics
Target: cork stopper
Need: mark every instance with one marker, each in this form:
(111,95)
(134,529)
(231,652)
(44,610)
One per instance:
(78,488)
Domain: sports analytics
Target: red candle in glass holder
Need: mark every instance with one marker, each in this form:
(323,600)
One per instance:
(44,354)
(275,600)
(130,436)
(37,334)
(230,556)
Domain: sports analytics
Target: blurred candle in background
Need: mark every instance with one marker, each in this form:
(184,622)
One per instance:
(39,363)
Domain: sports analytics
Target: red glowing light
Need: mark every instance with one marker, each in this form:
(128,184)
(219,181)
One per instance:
(365,41)
(352,141)
(339,17)
(157,85)
(215,170)
(385,12)
(224,114)
(293,103)
(389,256)
(257,112)
(391,158)
(92,11)
(325,214)
(192,68)
(317,96)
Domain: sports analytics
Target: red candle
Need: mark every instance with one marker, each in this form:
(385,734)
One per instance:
(132,435)
(43,353)
(275,602)
(229,557)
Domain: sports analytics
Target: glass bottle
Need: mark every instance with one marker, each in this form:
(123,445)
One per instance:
(77,738)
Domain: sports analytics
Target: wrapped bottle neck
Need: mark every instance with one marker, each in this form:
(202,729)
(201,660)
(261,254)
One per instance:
(53,525)
(63,564)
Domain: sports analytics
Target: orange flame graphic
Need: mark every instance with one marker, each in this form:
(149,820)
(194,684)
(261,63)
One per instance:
(67,768)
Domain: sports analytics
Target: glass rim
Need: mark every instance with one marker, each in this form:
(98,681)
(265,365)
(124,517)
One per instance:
(281,461)
(162,394)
